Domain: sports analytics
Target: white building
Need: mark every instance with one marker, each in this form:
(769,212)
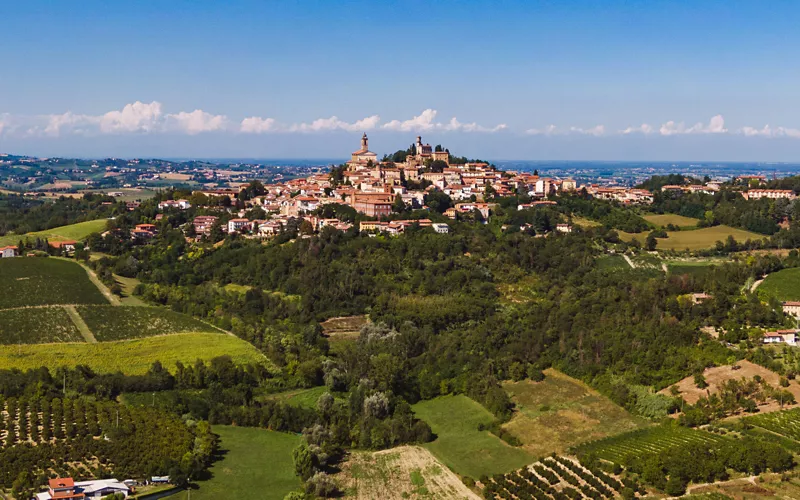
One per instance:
(441,228)
(788,337)
(236,225)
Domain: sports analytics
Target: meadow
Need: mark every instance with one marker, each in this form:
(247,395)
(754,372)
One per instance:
(612,263)
(460,445)
(38,325)
(783,285)
(561,412)
(132,357)
(302,398)
(78,231)
(696,239)
(256,464)
(675,220)
(34,281)
(109,323)
(645,442)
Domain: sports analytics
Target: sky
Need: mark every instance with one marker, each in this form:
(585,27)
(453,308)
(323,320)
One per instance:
(502,80)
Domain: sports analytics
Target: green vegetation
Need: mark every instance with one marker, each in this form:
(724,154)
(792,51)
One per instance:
(44,281)
(612,263)
(783,423)
(78,231)
(131,356)
(302,398)
(39,325)
(460,445)
(109,323)
(256,464)
(782,285)
(642,443)
(704,238)
(561,412)
(671,219)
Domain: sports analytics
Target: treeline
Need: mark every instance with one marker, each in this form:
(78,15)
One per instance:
(20,214)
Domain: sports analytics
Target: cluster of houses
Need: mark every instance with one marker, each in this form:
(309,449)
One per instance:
(66,488)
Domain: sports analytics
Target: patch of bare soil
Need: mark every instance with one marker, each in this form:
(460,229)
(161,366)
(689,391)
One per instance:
(344,327)
(399,473)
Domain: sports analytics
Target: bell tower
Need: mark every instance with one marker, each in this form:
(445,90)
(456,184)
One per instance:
(364,142)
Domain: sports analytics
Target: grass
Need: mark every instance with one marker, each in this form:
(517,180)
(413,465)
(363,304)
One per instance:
(675,220)
(109,323)
(34,281)
(127,285)
(783,285)
(132,357)
(78,231)
(459,443)
(698,239)
(612,263)
(561,412)
(581,221)
(301,398)
(37,326)
(257,464)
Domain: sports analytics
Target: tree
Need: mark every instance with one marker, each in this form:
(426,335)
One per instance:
(303,461)
(399,206)
(437,166)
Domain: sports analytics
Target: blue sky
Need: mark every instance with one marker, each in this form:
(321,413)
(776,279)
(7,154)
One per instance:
(627,80)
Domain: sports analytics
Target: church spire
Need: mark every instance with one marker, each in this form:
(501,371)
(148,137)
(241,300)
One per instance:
(364,142)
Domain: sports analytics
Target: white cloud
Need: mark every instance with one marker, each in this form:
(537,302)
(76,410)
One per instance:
(548,130)
(69,121)
(644,128)
(334,123)
(257,125)
(135,117)
(596,131)
(424,121)
(455,125)
(196,122)
(715,126)
(768,131)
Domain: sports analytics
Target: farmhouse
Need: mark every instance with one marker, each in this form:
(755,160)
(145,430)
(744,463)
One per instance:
(788,337)
(66,245)
(67,489)
(202,223)
(9,251)
(792,308)
(773,194)
(179,204)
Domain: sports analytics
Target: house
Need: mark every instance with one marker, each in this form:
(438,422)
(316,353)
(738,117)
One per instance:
(563,228)
(9,251)
(773,194)
(64,488)
(441,228)
(700,297)
(788,337)
(202,223)
(65,245)
(61,488)
(143,231)
(792,308)
(178,204)
(237,225)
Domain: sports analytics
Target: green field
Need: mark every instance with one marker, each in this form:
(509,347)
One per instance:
(783,285)
(132,357)
(78,231)
(697,239)
(561,412)
(302,398)
(675,220)
(38,325)
(34,281)
(612,263)
(459,443)
(257,464)
(130,322)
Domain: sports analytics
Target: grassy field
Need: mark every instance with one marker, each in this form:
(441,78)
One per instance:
(698,239)
(37,281)
(257,464)
(127,285)
(612,263)
(459,443)
(131,356)
(77,231)
(561,412)
(37,326)
(580,221)
(130,322)
(675,220)
(302,398)
(783,285)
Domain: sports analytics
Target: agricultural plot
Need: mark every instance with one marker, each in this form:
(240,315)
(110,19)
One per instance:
(561,412)
(37,325)
(643,442)
(257,464)
(459,443)
(612,263)
(399,473)
(783,285)
(301,398)
(344,328)
(556,478)
(132,357)
(666,219)
(785,423)
(109,323)
(45,281)
(78,231)
(706,237)
(697,269)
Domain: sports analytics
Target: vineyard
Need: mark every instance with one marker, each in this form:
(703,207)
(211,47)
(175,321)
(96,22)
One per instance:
(45,281)
(558,478)
(641,443)
(785,423)
(109,323)
(37,326)
(83,439)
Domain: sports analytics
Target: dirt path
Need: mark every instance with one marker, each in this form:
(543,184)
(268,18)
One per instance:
(756,284)
(664,268)
(693,487)
(629,261)
(87,334)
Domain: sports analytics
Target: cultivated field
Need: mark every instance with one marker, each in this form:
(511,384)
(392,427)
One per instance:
(399,473)
(706,237)
(764,487)
(130,322)
(132,357)
(77,232)
(675,220)
(612,263)
(561,412)
(38,325)
(783,285)
(718,374)
(645,442)
(459,443)
(302,398)
(343,328)
(257,464)
(33,281)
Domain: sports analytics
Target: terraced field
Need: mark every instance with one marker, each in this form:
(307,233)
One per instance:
(644,442)
(131,322)
(33,281)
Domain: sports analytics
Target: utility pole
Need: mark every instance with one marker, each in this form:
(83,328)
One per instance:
(64,390)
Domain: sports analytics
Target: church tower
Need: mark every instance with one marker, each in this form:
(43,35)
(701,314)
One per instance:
(364,142)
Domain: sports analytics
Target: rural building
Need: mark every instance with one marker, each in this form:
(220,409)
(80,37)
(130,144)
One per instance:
(236,225)
(788,337)
(202,223)
(700,297)
(9,251)
(441,228)
(563,228)
(67,489)
(792,308)
(179,204)
(66,245)
(773,194)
